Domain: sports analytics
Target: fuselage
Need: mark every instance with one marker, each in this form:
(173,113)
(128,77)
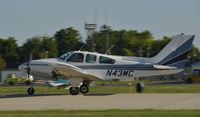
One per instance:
(105,67)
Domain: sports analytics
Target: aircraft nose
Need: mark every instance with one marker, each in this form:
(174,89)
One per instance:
(23,66)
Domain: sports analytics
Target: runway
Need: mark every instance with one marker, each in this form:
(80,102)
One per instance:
(100,102)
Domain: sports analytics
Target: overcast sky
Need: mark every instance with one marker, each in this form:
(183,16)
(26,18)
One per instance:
(24,19)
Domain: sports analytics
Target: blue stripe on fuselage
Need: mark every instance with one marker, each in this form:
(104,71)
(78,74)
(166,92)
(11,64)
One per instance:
(125,67)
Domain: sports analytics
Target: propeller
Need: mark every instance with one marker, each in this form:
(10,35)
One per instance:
(28,70)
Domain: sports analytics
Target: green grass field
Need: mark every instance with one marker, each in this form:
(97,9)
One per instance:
(114,87)
(107,113)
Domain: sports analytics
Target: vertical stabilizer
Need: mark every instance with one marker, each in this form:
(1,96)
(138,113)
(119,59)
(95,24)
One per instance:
(175,53)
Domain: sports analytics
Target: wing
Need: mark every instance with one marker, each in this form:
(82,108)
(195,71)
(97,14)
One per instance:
(70,71)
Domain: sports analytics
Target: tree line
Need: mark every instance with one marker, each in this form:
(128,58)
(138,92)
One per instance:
(118,42)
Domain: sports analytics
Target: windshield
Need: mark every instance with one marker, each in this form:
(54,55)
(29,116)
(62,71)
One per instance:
(66,55)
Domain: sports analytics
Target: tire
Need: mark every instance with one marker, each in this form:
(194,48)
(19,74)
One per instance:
(74,90)
(139,87)
(31,91)
(84,89)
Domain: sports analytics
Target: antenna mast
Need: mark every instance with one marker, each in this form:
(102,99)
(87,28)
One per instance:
(109,49)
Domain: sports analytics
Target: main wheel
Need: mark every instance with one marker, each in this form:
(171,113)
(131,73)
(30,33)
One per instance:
(31,91)
(74,90)
(84,89)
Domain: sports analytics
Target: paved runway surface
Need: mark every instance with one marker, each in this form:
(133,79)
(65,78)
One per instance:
(100,102)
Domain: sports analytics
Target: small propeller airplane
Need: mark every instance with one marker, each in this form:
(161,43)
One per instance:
(80,68)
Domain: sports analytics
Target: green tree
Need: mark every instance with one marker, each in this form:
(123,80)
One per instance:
(158,45)
(49,46)
(194,55)
(31,48)
(38,47)
(2,63)
(9,51)
(124,42)
(67,40)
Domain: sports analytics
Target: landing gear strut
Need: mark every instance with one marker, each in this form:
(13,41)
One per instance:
(54,75)
(31,90)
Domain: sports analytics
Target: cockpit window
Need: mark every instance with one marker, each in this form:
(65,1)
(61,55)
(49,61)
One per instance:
(76,57)
(106,60)
(64,56)
(90,58)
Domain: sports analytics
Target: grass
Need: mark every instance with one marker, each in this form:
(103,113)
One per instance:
(101,113)
(115,87)
(150,87)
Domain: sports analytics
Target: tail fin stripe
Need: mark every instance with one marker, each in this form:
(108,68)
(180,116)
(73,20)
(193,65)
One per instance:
(177,58)
(183,49)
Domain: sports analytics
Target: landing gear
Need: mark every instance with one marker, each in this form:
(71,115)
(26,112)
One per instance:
(76,87)
(139,87)
(84,89)
(74,90)
(31,91)
(54,75)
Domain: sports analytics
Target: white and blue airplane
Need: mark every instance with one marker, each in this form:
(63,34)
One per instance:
(82,67)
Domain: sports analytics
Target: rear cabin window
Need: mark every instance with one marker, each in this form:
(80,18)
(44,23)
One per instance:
(106,60)
(90,58)
(76,57)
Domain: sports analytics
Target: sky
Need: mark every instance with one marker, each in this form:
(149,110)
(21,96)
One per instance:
(24,19)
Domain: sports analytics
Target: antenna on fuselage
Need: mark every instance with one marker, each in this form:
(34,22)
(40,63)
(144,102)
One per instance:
(109,49)
(82,47)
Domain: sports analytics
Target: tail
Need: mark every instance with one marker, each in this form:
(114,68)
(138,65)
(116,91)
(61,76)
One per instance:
(175,53)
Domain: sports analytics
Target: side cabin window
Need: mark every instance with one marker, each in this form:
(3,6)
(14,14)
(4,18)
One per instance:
(91,58)
(106,60)
(76,57)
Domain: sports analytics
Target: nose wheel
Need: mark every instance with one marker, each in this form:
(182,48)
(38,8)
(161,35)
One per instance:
(31,91)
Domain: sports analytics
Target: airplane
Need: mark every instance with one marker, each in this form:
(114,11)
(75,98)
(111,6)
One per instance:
(80,68)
